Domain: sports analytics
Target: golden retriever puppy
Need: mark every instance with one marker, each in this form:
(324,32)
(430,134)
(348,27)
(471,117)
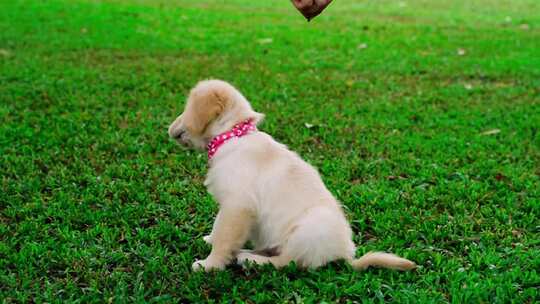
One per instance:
(266,193)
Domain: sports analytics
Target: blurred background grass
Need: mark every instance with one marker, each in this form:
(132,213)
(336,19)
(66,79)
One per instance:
(423,120)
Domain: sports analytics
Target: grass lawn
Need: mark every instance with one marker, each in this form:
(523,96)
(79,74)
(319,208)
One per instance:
(423,118)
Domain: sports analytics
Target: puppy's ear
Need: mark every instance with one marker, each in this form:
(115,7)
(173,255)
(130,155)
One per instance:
(203,108)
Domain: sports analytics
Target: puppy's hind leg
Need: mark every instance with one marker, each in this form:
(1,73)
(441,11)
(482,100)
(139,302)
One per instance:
(248,256)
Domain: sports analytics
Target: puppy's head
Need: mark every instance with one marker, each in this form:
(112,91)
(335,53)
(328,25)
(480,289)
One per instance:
(212,107)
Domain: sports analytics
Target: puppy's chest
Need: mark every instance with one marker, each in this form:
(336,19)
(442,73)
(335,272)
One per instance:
(225,183)
(211,183)
(212,187)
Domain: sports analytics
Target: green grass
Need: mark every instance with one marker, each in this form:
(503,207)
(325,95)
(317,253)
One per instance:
(97,204)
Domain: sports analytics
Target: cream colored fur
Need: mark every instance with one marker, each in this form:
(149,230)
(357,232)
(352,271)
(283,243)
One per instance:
(266,193)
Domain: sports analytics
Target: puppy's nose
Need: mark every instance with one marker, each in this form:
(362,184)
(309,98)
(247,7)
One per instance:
(173,130)
(179,135)
(176,131)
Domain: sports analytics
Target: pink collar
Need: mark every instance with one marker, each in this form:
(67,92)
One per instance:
(239,130)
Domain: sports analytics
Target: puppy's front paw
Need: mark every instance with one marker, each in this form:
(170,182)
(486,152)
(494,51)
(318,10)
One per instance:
(206,265)
(208,239)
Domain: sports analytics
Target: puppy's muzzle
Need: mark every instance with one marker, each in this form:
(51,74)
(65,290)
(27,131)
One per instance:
(178,135)
(175,131)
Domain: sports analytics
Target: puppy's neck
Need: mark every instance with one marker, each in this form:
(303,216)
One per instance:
(240,129)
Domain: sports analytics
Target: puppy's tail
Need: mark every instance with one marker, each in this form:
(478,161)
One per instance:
(383,260)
